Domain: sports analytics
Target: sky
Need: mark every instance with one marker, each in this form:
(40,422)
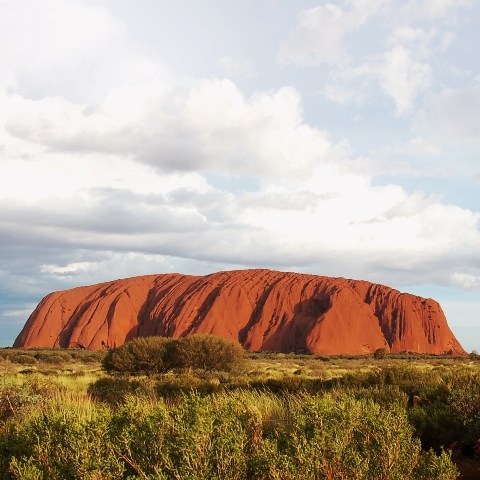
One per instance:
(336,138)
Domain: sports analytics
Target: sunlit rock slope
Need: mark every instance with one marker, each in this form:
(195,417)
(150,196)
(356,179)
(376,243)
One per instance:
(262,309)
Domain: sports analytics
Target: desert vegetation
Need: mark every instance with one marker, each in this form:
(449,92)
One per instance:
(76,414)
(159,355)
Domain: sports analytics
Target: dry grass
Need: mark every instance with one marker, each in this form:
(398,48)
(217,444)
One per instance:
(75,375)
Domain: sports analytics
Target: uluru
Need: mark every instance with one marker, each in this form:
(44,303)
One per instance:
(264,310)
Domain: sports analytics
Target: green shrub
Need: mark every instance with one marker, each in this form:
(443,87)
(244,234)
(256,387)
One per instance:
(114,391)
(380,353)
(206,352)
(53,359)
(240,435)
(140,355)
(91,357)
(290,384)
(13,398)
(57,444)
(22,359)
(408,378)
(342,437)
(449,412)
(184,383)
(55,356)
(152,355)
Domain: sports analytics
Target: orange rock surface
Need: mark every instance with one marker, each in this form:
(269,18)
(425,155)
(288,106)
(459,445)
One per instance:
(261,309)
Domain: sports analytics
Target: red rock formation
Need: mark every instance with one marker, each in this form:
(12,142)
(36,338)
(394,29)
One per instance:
(262,309)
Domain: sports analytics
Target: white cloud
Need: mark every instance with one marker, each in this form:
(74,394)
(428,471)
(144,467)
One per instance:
(402,78)
(18,314)
(419,145)
(75,50)
(37,38)
(417,39)
(404,71)
(466,280)
(399,75)
(133,176)
(71,268)
(208,124)
(451,117)
(288,221)
(430,9)
(318,36)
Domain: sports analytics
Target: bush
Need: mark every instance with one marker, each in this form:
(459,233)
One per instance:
(114,391)
(14,397)
(59,444)
(55,356)
(87,356)
(206,352)
(233,437)
(152,355)
(22,359)
(140,355)
(227,436)
(449,412)
(380,353)
(376,442)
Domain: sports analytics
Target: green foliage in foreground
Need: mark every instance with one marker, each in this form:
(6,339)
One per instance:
(150,355)
(241,435)
(449,411)
(272,417)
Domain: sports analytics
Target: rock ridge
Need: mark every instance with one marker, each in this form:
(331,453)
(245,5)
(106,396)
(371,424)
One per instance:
(264,310)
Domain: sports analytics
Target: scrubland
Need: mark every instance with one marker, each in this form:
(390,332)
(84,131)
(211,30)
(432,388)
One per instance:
(266,416)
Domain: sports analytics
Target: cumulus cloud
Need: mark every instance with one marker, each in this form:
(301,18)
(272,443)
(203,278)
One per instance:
(318,36)
(403,70)
(207,125)
(133,175)
(402,78)
(400,71)
(286,222)
(399,75)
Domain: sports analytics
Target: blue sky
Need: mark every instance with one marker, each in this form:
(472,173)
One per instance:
(336,138)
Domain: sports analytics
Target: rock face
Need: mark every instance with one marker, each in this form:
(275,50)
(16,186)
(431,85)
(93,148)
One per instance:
(262,309)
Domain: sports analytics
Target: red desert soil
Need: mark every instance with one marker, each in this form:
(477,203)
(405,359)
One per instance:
(262,309)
